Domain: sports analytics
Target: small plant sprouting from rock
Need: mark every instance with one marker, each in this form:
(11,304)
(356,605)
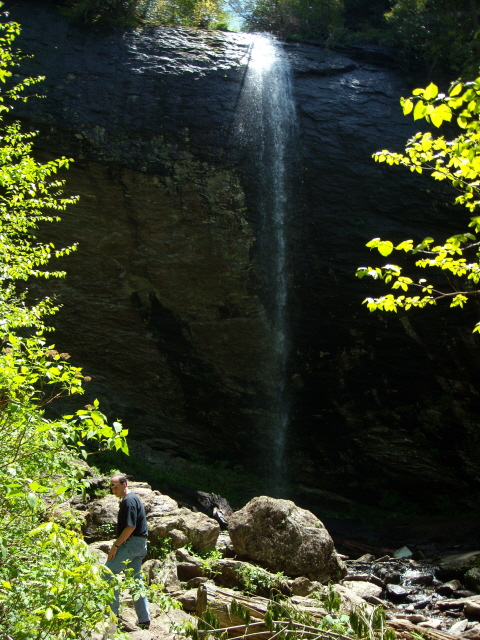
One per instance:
(332,600)
(210,559)
(161,550)
(107,529)
(370,624)
(257,579)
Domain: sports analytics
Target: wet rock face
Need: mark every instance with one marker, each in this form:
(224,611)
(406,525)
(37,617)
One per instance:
(162,305)
(384,404)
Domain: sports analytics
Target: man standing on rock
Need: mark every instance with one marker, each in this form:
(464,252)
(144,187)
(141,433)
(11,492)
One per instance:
(131,543)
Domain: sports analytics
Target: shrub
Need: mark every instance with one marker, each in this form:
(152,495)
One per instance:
(50,586)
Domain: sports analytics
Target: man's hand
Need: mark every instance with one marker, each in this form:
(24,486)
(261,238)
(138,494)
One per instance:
(112,553)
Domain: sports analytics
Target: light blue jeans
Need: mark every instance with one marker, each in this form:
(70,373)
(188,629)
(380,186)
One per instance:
(133,550)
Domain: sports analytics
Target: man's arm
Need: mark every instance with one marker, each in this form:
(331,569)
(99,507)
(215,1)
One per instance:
(126,533)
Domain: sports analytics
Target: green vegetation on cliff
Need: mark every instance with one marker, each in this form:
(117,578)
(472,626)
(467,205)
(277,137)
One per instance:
(205,14)
(458,162)
(49,585)
(427,35)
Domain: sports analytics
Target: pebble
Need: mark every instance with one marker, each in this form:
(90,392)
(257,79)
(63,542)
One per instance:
(418,577)
(367,557)
(398,593)
(416,618)
(430,623)
(366,577)
(449,588)
(421,604)
(459,627)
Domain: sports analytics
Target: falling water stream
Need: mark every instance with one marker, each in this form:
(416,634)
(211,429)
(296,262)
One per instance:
(266,122)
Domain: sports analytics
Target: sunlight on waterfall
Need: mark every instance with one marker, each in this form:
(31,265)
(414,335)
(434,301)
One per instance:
(265,124)
(263,54)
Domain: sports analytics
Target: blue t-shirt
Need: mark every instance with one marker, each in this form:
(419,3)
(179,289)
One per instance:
(132,514)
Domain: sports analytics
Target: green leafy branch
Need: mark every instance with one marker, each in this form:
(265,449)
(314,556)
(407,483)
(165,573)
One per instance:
(457,161)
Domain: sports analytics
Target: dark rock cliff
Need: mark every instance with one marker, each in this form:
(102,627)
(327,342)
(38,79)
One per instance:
(162,303)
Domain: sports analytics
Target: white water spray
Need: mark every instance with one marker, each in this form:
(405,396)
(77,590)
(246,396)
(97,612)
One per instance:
(266,123)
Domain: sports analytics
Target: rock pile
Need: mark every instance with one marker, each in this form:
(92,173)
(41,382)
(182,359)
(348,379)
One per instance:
(273,546)
(276,547)
(441,595)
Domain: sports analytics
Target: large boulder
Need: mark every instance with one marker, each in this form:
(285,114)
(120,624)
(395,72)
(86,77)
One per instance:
(182,527)
(456,566)
(283,537)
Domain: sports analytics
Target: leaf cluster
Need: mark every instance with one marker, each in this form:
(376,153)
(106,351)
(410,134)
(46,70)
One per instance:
(458,162)
(255,579)
(292,17)
(435,34)
(189,13)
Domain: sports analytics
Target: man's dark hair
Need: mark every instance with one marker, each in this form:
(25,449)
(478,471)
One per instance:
(121,478)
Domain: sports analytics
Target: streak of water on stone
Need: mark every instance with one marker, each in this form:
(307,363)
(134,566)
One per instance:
(267,123)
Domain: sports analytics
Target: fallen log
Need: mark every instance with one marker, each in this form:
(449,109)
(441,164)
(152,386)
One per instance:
(219,602)
(404,629)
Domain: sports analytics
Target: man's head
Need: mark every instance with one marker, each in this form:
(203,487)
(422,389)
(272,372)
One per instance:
(118,486)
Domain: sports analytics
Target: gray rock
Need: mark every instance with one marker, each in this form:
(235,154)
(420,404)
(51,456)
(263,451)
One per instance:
(188,566)
(418,577)
(472,610)
(402,553)
(456,566)
(302,586)
(458,628)
(188,599)
(350,600)
(101,522)
(472,579)
(164,518)
(101,549)
(198,529)
(421,604)
(224,545)
(366,577)
(235,574)
(363,589)
(367,557)
(448,588)
(193,583)
(473,633)
(285,538)
(163,572)
(431,623)
(187,571)
(416,618)
(397,593)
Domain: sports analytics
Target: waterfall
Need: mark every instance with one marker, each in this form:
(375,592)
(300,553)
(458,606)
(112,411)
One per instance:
(265,128)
